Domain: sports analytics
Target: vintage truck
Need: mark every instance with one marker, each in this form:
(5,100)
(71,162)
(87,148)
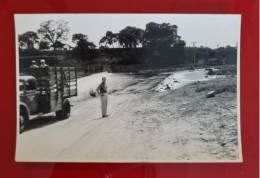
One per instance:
(41,94)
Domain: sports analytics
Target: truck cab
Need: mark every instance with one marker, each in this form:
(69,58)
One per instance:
(28,93)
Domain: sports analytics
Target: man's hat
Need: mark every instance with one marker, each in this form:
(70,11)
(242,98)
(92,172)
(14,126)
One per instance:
(42,60)
(33,61)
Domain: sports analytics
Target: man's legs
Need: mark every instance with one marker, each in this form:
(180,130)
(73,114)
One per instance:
(104,105)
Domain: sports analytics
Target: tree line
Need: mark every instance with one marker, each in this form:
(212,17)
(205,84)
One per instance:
(54,33)
(158,42)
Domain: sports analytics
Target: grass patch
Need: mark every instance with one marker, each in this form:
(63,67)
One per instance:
(220,85)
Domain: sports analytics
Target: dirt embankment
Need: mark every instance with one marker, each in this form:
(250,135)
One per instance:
(185,125)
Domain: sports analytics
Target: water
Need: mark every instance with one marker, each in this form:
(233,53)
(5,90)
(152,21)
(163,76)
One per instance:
(182,78)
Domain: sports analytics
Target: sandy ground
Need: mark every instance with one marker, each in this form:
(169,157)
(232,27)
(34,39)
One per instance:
(143,125)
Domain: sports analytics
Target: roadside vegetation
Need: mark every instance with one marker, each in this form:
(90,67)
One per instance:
(219,85)
(223,70)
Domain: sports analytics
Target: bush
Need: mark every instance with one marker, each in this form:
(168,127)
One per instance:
(210,72)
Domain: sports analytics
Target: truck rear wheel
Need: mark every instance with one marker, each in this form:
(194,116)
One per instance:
(23,121)
(65,112)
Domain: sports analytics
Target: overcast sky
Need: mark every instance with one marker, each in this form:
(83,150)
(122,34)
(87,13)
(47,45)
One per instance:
(206,30)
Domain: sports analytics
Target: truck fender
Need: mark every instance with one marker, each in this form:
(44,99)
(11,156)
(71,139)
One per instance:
(25,107)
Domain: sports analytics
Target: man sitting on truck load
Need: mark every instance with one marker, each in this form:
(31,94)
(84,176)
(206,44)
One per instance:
(34,65)
(34,69)
(45,68)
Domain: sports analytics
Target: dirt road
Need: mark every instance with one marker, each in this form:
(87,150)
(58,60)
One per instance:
(143,125)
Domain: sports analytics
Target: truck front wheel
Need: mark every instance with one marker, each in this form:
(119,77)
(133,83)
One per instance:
(23,120)
(65,112)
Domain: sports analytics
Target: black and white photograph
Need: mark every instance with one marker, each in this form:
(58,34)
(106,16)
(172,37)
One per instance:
(128,88)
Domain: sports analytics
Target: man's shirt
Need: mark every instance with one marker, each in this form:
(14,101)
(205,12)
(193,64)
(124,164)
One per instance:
(102,88)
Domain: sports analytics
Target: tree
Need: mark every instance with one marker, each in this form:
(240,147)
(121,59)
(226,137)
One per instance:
(84,44)
(22,41)
(110,38)
(164,43)
(180,44)
(57,44)
(160,35)
(44,45)
(130,37)
(54,31)
(84,49)
(221,51)
(81,41)
(78,36)
(27,40)
(179,50)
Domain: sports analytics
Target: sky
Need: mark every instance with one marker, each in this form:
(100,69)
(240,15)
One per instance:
(205,30)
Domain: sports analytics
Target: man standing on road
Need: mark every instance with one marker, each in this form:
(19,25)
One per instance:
(102,91)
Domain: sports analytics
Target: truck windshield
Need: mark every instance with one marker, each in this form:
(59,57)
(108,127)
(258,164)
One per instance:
(30,85)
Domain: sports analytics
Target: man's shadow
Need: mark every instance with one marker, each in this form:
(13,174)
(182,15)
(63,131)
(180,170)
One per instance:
(100,118)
